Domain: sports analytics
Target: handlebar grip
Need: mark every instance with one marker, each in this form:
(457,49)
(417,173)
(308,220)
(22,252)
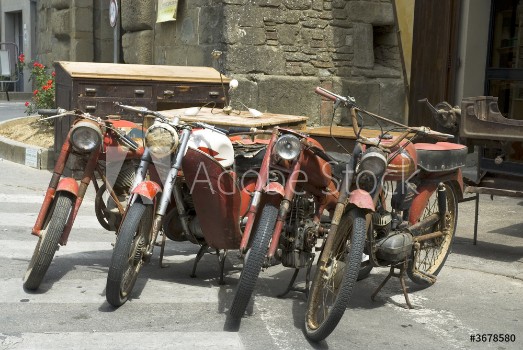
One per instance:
(239,130)
(325,93)
(48,111)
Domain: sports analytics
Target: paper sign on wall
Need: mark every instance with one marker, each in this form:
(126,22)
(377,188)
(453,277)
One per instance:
(167,10)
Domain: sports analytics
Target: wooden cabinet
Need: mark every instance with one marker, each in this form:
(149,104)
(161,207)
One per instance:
(95,87)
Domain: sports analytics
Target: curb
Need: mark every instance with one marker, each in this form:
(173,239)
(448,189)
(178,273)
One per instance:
(22,153)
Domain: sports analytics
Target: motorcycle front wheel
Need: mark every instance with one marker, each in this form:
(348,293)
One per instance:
(48,241)
(132,242)
(254,260)
(334,280)
(434,252)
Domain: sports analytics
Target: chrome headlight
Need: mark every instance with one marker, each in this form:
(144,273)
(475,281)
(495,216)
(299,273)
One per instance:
(288,147)
(161,139)
(86,136)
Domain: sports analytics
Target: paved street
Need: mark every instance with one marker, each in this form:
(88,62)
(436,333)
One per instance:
(480,290)
(11,109)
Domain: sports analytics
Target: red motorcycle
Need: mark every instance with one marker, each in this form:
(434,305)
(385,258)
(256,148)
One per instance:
(298,181)
(202,198)
(90,146)
(408,219)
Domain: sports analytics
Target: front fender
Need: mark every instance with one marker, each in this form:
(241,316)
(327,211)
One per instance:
(147,189)
(361,199)
(275,188)
(68,184)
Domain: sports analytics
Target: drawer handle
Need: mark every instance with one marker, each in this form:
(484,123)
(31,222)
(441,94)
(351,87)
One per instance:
(168,92)
(90,91)
(214,94)
(90,108)
(139,92)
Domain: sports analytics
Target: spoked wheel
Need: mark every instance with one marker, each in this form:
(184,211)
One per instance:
(132,242)
(434,252)
(48,241)
(254,260)
(334,280)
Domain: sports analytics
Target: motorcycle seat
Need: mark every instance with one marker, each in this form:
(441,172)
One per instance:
(440,156)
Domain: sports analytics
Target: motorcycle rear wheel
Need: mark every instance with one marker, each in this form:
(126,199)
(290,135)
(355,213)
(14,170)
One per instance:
(128,255)
(254,261)
(48,242)
(433,253)
(333,282)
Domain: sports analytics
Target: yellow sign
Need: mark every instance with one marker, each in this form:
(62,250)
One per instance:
(167,10)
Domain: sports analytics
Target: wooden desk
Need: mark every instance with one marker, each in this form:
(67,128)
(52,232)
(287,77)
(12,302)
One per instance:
(217,117)
(95,87)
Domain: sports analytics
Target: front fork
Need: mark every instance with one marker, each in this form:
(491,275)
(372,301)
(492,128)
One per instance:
(170,187)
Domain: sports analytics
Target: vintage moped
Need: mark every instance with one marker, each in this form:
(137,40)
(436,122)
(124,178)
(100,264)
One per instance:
(410,193)
(203,199)
(91,145)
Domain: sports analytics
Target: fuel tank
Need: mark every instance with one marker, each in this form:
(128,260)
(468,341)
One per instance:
(403,164)
(318,171)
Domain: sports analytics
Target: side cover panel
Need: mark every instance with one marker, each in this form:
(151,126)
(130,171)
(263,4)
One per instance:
(216,199)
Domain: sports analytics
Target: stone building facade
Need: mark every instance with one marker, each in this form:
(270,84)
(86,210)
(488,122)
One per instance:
(279,50)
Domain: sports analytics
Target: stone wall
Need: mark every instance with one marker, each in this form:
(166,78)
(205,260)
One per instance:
(279,50)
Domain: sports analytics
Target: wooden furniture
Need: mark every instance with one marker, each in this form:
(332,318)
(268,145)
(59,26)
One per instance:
(95,87)
(244,118)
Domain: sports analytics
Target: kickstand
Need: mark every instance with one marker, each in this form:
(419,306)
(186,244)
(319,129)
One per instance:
(162,250)
(401,276)
(291,286)
(201,252)
(221,261)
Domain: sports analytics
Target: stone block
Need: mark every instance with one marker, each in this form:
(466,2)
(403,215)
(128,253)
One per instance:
(60,4)
(269,3)
(243,59)
(82,50)
(138,15)
(210,25)
(61,23)
(246,93)
(188,30)
(297,4)
(377,13)
(366,92)
(290,95)
(137,47)
(82,19)
(83,3)
(288,34)
(392,98)
(363,45)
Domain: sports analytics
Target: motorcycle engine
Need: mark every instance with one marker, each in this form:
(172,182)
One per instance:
(299,237)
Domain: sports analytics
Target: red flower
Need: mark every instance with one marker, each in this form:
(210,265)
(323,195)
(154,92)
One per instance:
(53,74)
(21,58)
(27,104)
(45,87)
(35,92)
(50,82)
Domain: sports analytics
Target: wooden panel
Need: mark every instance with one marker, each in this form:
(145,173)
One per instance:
(434,57)
(114,89)
(191,93)
(244,118)
(141,72)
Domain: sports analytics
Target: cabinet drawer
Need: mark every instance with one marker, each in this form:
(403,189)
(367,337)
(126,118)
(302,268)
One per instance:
(191,93)
(115,90)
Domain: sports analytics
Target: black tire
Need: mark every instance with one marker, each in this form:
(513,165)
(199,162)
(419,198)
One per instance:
(334,281)
(48,242)
(433,253)
(128,254)
(254,260)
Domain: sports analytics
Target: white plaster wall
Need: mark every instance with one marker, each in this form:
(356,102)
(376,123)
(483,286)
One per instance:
(473,47)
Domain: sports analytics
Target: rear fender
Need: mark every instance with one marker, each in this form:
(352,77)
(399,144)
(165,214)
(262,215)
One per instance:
(147,190)
(361,199)
(68,184)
